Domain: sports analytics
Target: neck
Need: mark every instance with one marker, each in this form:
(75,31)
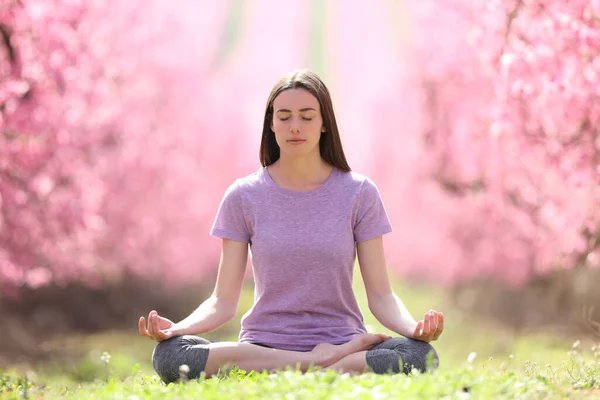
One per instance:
(301,171)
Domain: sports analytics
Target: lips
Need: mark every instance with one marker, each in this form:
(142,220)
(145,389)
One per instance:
(296,140)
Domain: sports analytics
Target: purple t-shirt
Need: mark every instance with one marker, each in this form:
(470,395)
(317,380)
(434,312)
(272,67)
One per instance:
(302,247)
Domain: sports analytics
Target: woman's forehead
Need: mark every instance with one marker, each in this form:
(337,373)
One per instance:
(295,99)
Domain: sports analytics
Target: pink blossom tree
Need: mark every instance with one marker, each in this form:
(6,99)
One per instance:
(102,147)
(509,127)
(51,134)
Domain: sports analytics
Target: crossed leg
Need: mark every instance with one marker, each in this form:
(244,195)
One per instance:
(201,355)
(391,356)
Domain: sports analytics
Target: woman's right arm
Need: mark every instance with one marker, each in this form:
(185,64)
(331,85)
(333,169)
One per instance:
(215,311)
(222,305)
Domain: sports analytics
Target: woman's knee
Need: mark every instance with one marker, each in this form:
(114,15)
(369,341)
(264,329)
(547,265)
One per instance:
(402,355)
(416,354)
(163,358)
(169,355)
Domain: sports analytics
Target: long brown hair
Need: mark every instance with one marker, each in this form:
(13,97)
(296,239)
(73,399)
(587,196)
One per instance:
(330,144)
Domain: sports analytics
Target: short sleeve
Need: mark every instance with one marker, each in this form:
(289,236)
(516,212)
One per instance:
(372,219)
(230,222)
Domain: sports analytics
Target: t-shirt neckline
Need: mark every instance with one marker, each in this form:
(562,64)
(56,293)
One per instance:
(328,182)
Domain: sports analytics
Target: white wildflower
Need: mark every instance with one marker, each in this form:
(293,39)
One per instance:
(105,358)
(184,370)
(471,358)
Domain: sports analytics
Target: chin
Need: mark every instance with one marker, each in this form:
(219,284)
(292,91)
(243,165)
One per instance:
(302,150)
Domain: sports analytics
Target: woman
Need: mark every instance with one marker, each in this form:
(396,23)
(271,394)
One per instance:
(306,217)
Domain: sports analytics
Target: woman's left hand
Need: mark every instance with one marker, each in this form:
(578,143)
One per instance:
(430,327)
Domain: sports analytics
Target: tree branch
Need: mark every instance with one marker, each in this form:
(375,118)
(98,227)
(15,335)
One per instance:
(508,27)
(5,35)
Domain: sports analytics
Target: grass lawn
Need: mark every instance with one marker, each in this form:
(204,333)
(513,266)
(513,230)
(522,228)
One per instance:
(478,360)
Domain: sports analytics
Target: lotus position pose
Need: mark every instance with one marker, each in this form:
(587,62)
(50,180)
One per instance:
(306,217)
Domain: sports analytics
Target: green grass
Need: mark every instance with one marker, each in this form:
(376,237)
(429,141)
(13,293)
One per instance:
(490,379)
(503,364)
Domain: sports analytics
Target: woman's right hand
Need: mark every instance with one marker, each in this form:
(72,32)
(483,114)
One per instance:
(159,328)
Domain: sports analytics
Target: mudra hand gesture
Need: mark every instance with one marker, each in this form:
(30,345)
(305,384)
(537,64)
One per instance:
(430,327)
(159,328)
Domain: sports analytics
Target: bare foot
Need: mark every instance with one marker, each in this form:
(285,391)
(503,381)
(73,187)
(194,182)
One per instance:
(326,354)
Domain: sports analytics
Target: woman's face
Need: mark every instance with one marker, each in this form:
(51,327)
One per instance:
(297,122)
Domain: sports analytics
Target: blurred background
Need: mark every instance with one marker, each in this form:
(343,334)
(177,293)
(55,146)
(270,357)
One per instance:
(123,123)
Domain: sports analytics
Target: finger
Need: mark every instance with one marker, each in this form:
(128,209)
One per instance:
(159,334)
(155,325)
(440,327)
(432,321)
(142,327)
(426,324)
(150,316)
(150,325)
(155,322)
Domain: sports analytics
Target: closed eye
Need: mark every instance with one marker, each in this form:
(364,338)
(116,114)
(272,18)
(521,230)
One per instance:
(304,118)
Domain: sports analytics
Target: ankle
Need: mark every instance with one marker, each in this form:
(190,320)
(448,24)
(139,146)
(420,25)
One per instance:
(326,354)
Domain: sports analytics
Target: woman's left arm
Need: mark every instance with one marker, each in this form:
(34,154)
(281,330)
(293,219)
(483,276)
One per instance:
(384,304)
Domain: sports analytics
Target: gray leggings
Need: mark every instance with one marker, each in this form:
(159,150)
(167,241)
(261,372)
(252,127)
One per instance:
(385,357)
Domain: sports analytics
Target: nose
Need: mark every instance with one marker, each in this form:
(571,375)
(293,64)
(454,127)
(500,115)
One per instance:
(295,127)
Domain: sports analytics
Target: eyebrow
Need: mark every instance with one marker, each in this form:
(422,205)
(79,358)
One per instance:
(301,110)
